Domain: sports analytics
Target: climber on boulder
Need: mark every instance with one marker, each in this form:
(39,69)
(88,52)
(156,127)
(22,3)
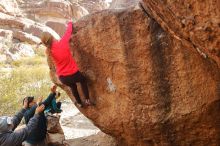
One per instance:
(66,67)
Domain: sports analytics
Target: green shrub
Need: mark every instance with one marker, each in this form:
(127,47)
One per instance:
(40,50)
(30,76)
(23,81)
(31,61)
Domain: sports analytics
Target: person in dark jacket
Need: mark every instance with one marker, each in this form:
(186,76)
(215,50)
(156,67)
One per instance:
(38,136)
(9,137)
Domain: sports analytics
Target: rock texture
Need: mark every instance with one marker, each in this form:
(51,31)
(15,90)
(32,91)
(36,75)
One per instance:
(10,7)
(59,27)
(194,21)
(93,5)
(17,33)
(24,29)
(13,51)
(55,135)
(150,87)
(123,3)
(23,50)
(27,18)
(55,13)
(59,10)
(99,139)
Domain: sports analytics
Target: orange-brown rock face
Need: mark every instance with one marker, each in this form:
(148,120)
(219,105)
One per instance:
(150,88)
(195,21)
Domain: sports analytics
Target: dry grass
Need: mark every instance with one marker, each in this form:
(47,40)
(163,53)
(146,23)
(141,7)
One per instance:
(28,77)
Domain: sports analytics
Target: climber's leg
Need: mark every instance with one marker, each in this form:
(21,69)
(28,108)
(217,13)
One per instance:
(75,93)
(69,81)
(85,90)
(82,80)
(78,77)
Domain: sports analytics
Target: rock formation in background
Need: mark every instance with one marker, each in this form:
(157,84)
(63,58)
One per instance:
(23,29)
(92,5)
(18,33)
(15,30)
(151,86)
(27,18)
(123,3)
(59,11)
(55,13)
(10,7)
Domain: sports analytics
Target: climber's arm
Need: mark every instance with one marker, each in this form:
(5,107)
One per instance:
(68,33)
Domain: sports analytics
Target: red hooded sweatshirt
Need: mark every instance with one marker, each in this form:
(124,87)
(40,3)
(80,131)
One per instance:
(62,57)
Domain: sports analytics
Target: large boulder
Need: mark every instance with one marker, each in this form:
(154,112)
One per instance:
(193,21)
(150,87)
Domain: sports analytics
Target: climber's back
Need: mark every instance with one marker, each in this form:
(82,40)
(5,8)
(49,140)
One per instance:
(60,52)
(62,57)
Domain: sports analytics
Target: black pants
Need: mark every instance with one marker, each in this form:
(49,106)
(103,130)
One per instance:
(71,81)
